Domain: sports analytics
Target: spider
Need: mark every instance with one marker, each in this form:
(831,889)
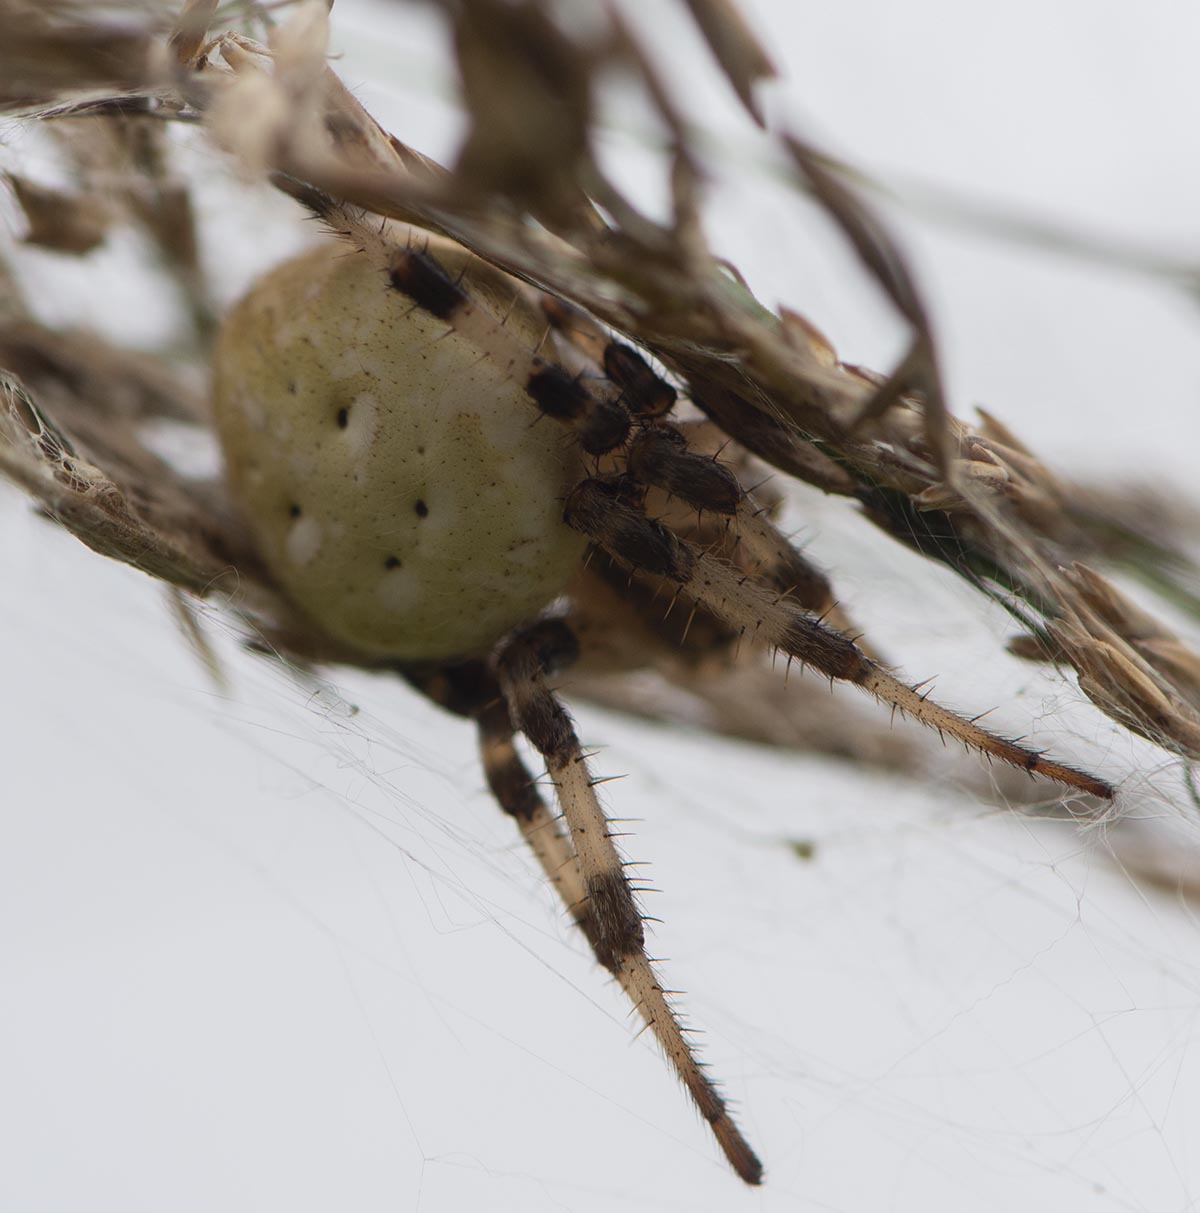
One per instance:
(458,478)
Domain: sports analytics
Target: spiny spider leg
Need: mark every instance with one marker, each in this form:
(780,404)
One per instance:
(610,917)
(645,393)
(471,690)
(515,790)
(606,512)
(661,456)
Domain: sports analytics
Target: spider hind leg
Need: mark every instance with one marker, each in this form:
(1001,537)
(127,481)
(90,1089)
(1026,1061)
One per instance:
(606,911)
(581,862)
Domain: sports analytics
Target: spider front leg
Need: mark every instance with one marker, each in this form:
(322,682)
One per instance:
(597,891)
(606,511)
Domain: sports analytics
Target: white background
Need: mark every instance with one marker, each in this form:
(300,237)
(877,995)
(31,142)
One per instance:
(272,947)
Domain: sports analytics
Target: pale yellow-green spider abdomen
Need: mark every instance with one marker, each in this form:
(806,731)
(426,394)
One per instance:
(393,475)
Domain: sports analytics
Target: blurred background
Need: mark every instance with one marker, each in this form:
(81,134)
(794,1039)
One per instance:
(270,945)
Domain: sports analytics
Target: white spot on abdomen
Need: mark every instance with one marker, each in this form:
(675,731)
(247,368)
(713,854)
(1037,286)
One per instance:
(304,541)
(362,425)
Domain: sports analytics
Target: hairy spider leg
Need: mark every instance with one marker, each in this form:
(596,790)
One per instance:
(662,456)
(609,917)
(515,790)
(644,392)
(471,690)
(592,885)
(602,510)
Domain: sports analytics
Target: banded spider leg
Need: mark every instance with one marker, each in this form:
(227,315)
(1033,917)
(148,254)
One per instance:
(582,863)
(607,511)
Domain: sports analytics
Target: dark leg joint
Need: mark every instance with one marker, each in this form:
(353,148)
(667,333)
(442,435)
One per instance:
(643,391)
(825,650)
(549,642)
(618,925)
(422,279)
(660,456)
(597,509)
(556,393)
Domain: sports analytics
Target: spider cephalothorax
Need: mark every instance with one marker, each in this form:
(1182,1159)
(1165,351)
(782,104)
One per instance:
(424,451)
